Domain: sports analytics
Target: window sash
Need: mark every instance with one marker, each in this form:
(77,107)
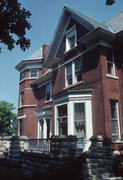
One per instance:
(114,119)
(33,72)
(73,72)
(22,75)
(79,120)
(62,119)
(21,98)
(71,38)
(48,92)
(110,63)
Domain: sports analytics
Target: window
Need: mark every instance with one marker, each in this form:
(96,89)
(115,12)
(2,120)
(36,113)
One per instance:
(78,66)
(69,74)
(20,127)
(71,39)
(21,98)
(79,120)
(62,119)
(110,63)
(22,75)
(114,119)
(73,72)
(33,72)
(48,92)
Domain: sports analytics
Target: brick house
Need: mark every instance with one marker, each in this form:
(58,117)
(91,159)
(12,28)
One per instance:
(76,87)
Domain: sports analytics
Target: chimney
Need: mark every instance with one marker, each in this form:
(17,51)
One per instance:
(45,48)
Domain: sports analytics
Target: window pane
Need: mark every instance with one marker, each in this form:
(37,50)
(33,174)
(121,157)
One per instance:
(78,67)
(33,72)
(110,62)
(48,92)
(62,119)
(69,73)
(71,41)
(21,98)
(114,119)
(22,75)
(110,67)
(79,119)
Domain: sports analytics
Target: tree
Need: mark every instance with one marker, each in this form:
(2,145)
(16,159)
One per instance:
(7,119)
(13,24)
(110,2)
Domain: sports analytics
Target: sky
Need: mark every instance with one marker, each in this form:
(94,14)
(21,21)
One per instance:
(45,16)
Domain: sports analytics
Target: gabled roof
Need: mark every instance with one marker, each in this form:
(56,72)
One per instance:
(116,23)
(89,23)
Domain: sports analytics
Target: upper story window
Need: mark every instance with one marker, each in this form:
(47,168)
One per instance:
(48,95)
(110,63)
(33,73)
(73,72)
(71,38)
(22,75)
(21,103)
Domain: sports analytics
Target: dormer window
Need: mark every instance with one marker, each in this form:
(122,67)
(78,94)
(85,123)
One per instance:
(34,73)
(71,38)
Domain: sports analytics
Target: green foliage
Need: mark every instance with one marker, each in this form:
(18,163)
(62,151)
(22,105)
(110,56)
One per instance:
(110,2)
(13,24)
(7,119)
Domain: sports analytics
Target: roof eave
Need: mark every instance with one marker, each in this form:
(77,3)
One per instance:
(25,62)
(97,34)
(52,62)
(42,79)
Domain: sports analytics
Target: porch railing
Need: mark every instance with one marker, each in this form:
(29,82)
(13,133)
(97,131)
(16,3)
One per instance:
(41,145)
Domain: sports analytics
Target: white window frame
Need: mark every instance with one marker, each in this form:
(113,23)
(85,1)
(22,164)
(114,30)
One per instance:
(46,91)
(74,79)
(30,73)
(21,99)
(56,118)
(117,118)
(69,34)
(113,74)
(79,120)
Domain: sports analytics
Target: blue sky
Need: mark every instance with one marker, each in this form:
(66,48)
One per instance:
(45,15)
